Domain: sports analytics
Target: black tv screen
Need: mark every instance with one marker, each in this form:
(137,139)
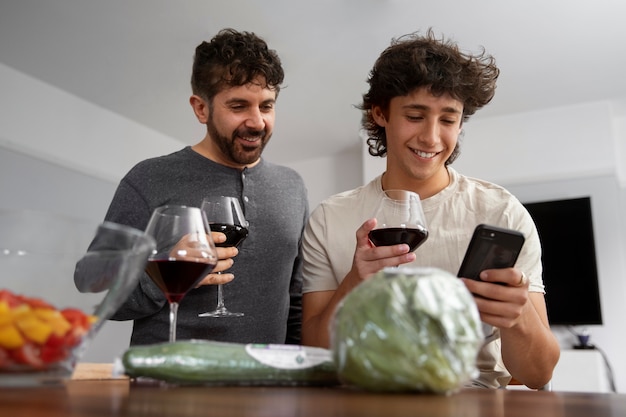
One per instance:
(570,273)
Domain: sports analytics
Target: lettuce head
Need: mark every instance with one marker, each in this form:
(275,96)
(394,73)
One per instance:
(407,329)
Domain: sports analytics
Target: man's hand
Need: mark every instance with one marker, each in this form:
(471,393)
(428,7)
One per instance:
(500,305)
(225,261)
(369,259)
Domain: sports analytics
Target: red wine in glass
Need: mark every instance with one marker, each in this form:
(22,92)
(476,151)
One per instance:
(399,219)
(396,235)
(176,278)
(235,234)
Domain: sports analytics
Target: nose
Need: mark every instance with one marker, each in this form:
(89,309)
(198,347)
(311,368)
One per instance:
(255,119)
(429,135)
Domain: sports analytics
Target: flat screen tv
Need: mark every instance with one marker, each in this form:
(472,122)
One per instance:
(570,273)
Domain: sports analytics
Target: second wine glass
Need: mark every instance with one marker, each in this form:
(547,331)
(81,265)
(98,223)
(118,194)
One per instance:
(184,253)
(225,215)
(400,220)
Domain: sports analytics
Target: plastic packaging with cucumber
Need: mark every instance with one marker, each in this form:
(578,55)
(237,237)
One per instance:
(203,362)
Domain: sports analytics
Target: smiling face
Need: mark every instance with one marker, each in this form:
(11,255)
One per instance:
(422,132)
(239,121)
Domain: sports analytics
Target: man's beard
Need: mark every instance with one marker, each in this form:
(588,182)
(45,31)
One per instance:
(232,149)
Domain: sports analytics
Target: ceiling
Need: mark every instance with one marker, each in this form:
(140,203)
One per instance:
(134,57)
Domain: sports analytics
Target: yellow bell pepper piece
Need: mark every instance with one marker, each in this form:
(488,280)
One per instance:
(60,326)
(5,314)
(21,310)
(33,329)
(10,337)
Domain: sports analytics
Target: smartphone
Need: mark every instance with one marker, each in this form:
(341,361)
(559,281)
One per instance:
(490,248)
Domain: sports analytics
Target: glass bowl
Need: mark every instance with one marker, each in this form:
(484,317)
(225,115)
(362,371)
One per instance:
(61,278)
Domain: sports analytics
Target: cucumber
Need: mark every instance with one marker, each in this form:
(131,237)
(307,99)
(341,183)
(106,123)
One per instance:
(203,362)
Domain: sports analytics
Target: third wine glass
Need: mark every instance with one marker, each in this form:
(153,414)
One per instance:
(225,215)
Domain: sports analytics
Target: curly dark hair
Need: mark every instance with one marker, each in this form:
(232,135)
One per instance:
(413,61)
(233,59)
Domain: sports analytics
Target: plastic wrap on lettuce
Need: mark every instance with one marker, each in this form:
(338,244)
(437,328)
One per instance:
(407,329)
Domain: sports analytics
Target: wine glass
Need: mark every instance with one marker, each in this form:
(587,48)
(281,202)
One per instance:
(400,220)
(225,215)
(184,254)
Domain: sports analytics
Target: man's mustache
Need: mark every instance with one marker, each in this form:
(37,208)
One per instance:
(244,133)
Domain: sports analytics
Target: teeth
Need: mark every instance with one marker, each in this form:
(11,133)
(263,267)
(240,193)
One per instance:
(426,154)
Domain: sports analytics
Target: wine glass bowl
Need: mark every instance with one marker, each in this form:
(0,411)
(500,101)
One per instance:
(225,215)
(400,219)
(184,254)
(61,279)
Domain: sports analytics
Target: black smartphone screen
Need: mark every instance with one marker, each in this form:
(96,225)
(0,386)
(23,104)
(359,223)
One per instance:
(490,248)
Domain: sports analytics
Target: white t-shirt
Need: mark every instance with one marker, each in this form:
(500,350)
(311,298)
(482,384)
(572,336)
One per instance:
(451,216)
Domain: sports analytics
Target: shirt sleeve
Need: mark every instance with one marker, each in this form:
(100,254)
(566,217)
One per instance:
(529,260)
(294,319)
(318,274)
(128,207)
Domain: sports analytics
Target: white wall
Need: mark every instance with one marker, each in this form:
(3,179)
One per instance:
(573,141)
(327,176)
(572,151)
(618,108)
(48,123)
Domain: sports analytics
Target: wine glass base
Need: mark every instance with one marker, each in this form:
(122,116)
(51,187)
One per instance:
(220,313)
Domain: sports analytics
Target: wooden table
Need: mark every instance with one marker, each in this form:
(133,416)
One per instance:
(87,397)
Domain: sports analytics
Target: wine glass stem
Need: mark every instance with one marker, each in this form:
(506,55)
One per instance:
(220,297)
(173,320)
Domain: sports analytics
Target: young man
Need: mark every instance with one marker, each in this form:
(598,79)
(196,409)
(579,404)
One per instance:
(235,81)
(422,89)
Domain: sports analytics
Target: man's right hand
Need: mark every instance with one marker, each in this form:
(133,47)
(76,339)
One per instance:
(225,261)
(369,259)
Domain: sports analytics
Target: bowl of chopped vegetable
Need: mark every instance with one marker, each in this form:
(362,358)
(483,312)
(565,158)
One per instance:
(61,278)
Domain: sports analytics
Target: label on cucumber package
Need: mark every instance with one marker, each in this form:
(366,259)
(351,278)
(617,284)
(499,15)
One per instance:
(288,356)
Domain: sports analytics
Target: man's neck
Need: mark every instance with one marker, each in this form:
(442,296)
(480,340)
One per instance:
(210,151)
(425,188)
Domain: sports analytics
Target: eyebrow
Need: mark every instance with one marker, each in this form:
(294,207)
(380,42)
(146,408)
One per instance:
(236,100)
(424,107)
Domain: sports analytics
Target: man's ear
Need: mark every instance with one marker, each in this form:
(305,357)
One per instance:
(200,108)
(379,116)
